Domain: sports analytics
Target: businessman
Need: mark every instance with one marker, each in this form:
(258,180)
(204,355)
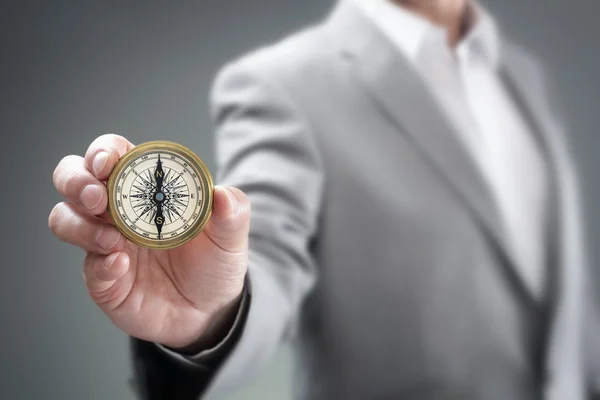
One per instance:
(397,201)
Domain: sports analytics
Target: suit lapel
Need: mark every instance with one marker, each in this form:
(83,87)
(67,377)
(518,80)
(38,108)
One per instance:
(519,81)
(518,75)
(525,87)
(405,100)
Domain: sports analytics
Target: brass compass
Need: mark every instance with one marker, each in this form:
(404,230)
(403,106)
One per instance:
(160,195)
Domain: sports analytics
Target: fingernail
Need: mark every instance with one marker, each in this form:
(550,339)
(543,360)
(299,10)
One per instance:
(91,196)
(108,238)
(99,162)
(234,204)
(108,261)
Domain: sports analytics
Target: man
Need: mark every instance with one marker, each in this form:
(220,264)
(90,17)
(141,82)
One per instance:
(415,227)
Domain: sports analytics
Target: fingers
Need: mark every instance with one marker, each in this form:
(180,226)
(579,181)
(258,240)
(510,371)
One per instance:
(101,273)
(80,179)
(77,184)
(72,226)
(103,154)
(230,220)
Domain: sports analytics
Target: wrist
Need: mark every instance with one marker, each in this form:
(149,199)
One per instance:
(215,328)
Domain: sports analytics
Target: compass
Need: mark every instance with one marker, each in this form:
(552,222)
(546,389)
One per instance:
(160,195)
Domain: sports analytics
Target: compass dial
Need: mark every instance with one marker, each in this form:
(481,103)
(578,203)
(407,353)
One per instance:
(160,195)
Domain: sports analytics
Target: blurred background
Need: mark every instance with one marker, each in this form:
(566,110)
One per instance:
(72,70)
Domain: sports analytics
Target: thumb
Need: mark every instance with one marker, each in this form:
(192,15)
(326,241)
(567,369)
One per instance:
(230,220)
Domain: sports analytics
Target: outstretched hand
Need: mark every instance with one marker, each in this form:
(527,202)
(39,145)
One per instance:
(179,297)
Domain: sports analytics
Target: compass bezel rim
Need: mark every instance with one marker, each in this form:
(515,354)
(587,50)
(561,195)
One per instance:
(206,182)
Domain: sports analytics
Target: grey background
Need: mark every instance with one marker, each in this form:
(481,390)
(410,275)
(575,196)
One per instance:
(71,70)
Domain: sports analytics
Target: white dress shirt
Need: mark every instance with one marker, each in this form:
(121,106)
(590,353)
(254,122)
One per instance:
(466,83)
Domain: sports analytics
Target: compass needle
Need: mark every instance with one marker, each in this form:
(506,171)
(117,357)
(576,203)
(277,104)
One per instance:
(159,219)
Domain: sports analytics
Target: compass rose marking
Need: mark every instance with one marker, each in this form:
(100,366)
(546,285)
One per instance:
(156,204)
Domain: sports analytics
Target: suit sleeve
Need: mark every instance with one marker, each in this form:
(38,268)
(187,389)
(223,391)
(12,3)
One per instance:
(265,147)
(589,285)
(162,373)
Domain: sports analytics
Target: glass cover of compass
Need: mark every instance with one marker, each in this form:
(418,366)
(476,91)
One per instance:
(160,195)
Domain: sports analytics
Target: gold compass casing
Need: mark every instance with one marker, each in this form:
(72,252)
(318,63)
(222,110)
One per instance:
(122,196)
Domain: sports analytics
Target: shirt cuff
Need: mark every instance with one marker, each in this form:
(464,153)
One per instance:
(211,358)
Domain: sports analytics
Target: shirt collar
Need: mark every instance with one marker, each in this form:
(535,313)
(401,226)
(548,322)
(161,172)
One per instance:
(483,40)
(408,30)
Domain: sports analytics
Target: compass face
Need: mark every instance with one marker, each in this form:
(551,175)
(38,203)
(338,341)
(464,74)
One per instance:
(160,195)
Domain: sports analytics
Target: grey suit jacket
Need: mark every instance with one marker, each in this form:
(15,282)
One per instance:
(376,248)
